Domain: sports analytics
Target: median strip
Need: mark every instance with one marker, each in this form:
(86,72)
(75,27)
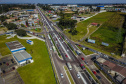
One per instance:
(69,76)
(55,47)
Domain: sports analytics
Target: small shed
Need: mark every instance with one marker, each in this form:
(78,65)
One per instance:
(94,24)
(105,44)
(91,41)
(29,42)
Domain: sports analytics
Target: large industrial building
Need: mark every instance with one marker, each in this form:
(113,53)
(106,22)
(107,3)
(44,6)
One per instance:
(15,46)
(19,53)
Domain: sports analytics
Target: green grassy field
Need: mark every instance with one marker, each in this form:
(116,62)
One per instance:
(4,50)
(82,26)
(38,72)
(86,51)
(3,29)
(110,32)
(86,15)
(37,31)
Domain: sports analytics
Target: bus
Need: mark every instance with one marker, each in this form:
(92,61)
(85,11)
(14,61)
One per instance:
(54,49)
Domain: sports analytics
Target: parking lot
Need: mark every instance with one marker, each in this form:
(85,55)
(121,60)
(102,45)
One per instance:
(8,72)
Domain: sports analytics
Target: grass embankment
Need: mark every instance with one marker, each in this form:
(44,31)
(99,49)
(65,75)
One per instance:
(68,74)
(86,51)
(82,26)
(3,29)
(40,70)
(4,50)
(27,36)
(97,49)
(86,15)
(110,32)
(37,30)
(69,12)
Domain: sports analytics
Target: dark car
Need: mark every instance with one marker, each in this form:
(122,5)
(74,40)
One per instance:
(12,60)
(90,78)
(97,71)
(94,58)
(98,77)
(4,71)
(82,66)
(4,62)
(13,68)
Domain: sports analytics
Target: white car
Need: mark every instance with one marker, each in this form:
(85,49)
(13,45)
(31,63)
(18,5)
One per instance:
(61,75)
(78,76)
(50,48)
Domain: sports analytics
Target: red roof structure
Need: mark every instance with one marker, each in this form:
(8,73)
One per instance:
(94,24)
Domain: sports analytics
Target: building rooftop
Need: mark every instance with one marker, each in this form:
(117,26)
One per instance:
(22,56)
(13,45)
(115,67)
(109,64)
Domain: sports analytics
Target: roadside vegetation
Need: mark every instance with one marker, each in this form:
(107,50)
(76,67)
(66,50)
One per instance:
(37,30)
(3,29)
(86,51)
(8,7)
(65,22)
(21,32)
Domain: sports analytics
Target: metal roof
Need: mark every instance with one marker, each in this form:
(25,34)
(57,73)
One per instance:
(14,45)
(22,56)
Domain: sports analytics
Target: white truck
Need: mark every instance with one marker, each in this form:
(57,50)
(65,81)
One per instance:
(69,66)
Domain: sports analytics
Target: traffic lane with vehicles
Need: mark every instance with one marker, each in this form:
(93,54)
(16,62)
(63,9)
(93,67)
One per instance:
(75,75)
(103,80)
(60,70)
(58,63)
(93,68)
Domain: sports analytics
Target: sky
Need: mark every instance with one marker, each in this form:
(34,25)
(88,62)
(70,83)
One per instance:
(63,1)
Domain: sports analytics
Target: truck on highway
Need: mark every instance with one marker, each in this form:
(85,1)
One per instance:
(78,52)
(54,49)
(69,66)
(49,37)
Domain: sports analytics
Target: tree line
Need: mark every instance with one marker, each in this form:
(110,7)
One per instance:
(65,22)
(9,7)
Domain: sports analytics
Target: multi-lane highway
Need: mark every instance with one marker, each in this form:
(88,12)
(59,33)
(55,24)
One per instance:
(66,53)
